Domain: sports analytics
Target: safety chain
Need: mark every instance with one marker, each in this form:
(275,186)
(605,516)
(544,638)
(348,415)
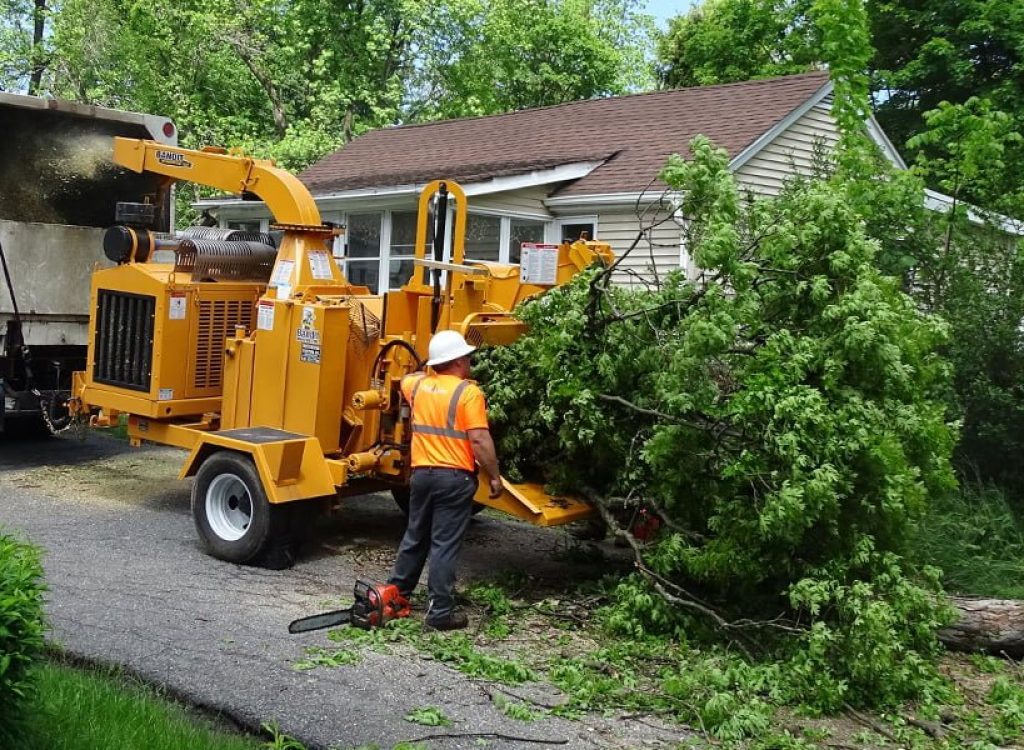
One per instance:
(72,422)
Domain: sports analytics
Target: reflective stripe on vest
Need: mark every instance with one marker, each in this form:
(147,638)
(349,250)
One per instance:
(449,430)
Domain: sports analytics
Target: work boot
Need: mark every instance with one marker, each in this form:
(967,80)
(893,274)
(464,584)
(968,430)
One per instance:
(454,620)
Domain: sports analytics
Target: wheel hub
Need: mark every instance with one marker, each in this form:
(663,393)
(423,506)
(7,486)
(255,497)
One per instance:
(228,507)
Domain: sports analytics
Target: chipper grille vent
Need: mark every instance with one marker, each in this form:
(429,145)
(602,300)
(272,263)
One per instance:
(124,339)
(217,321)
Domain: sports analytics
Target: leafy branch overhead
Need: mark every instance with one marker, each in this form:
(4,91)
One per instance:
(782,414)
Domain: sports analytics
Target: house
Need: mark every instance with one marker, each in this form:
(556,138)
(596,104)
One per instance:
(541,175)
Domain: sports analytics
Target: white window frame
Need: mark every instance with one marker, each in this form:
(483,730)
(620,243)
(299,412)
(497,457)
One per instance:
(505,228)
(556,229)
(384,267)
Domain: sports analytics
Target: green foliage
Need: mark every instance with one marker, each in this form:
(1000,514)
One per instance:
(457,651)
(322,657)
(967,151)
(977,539)
(428,716)
(97,710)
(516,709)
(784,412)
(294,80)
(279,740)
(722,41)
(928,53)
(21,629)
(1008,699)
(513,54)
(926,62)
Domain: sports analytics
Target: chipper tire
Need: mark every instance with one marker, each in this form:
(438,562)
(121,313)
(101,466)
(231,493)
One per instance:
(233,517)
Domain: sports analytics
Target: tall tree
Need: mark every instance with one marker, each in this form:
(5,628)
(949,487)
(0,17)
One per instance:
(501,55)
(722,41)
(928,52)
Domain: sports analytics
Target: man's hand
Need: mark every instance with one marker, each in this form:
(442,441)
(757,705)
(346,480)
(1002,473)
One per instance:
(483,451)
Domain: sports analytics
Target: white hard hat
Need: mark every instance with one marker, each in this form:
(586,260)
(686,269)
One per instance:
(446,346)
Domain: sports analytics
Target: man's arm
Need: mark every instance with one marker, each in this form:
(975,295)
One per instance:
(487,457)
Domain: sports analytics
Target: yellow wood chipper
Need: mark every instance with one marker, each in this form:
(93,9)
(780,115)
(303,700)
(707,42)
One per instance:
(278,376)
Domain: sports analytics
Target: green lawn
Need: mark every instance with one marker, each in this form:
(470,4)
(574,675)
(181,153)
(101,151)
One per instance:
(87,710)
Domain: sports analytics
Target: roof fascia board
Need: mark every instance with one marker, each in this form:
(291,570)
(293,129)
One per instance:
(777,129)
(940,202)
(536,178)
(882,140)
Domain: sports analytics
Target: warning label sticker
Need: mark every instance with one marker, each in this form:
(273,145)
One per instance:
(310,353)
(282,273)
(539,264)
(265,315)
(177,307)
(319,265)
(166,394)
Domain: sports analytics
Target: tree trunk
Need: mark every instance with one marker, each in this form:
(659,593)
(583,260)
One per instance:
(38,32)
(995,626)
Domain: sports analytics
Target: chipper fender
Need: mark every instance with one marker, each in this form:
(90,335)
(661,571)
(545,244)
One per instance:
(247,484)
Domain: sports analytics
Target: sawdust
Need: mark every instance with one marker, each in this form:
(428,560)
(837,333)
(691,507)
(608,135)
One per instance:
(128,479)
(50,173)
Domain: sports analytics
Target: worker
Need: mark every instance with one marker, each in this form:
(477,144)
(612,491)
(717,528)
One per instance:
(450,438)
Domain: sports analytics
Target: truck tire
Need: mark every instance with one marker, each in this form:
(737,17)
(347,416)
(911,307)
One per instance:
(31,427)
(233,517)
(401,496)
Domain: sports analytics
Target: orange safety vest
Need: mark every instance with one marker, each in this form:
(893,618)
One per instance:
(444,409)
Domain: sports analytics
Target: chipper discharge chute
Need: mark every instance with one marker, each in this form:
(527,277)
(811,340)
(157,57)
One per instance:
(279,376)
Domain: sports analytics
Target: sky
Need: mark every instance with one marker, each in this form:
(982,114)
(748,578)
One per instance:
(662,10)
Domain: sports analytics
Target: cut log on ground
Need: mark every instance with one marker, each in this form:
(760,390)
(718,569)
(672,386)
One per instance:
(994,626)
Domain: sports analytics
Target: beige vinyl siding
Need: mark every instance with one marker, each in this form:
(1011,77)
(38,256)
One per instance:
(792,152)
(525,201)
(619,229)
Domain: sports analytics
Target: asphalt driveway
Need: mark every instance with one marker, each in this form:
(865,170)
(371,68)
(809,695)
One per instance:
(130,586)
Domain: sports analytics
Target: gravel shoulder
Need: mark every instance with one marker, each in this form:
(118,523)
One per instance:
(130,586)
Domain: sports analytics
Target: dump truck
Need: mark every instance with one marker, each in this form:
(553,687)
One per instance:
(279,377)
(59,191)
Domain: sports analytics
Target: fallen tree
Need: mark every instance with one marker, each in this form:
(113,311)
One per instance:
(782,416)
(994,626)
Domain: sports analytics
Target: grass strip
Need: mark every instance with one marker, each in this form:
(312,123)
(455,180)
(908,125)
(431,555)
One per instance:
(78,709)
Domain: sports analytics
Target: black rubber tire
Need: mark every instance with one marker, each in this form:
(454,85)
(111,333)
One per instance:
(266,540)
(31,427)
(401,496)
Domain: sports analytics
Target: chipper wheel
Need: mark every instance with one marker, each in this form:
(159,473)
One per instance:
(233,517)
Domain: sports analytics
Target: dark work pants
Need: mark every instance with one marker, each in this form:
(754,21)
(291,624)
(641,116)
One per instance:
(440,506)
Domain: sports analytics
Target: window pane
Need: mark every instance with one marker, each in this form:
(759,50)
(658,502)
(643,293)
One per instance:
(400,272)
(483,235)
(365,272)
(573,232)
(520,231)
(363,235)
(403,233)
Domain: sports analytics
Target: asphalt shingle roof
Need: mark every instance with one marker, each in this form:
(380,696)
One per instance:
(632,135)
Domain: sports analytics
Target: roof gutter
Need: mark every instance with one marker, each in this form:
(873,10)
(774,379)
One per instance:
(942,203)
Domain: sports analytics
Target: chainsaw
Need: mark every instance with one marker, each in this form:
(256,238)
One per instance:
(375,604)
